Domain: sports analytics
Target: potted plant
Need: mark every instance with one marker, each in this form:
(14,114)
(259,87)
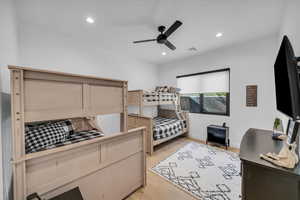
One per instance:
(277,128)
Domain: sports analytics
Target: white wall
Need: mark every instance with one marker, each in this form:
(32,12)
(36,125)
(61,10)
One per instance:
(8,54)
(250,63)
(44,48)
(290,25)
(8,40)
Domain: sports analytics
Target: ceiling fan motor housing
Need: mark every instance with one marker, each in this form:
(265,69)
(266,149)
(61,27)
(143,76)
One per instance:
(161,39)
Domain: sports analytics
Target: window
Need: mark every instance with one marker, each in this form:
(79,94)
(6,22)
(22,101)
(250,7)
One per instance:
(206,92)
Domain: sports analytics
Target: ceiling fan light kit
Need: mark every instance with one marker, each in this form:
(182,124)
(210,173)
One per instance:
(162,38)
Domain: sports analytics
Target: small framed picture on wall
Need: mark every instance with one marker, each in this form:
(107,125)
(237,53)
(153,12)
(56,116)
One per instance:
(251,95)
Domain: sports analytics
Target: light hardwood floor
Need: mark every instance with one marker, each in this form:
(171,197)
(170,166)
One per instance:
(158,188)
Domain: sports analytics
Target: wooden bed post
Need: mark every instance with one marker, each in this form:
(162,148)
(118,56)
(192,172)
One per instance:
(141,103)
(124,115)
(144,156)
(86,98)
(17,109)
(150,138)
(178,107)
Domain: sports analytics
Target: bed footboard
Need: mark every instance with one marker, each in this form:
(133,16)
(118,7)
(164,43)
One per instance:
(135,121)
(94,167)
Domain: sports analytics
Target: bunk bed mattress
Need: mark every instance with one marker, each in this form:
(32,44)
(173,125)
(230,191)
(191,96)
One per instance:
(72,139)
(164,127)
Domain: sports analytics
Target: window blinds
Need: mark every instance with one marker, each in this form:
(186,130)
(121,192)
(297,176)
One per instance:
(209,82)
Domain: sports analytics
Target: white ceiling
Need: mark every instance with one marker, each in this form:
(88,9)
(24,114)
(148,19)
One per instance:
(119,22)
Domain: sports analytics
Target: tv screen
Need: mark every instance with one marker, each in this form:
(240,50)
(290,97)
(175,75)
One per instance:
(287,81)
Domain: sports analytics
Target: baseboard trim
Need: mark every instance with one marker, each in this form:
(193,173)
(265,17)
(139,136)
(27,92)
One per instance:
(233,149)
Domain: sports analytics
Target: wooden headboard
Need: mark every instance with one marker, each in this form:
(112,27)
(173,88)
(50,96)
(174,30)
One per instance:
(48,95)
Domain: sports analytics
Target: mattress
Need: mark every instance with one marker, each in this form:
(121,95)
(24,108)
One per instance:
(164,127)
(74,138)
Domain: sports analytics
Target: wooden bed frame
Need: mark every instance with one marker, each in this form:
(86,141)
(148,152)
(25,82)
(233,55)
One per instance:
(95,165)
(135,98)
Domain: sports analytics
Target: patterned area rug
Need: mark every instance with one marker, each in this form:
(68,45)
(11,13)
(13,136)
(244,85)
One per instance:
(206,172)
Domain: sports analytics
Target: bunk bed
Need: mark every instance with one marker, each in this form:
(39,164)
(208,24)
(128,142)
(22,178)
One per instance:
(168,124)
(90,160)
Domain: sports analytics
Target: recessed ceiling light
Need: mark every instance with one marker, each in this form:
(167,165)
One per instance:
(192,49)
(163,53)
(219,35)
(90,20)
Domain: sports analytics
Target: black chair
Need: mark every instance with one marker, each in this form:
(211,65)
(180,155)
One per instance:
(73,194)
(33,196)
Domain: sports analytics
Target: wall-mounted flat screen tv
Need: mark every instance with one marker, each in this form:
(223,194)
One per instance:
(287,81)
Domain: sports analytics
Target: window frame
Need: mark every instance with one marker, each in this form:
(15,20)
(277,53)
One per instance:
(202,94)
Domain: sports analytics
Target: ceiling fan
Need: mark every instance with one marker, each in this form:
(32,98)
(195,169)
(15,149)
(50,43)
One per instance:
(162,38)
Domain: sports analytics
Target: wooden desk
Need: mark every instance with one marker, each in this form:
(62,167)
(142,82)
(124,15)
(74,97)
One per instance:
(260,179)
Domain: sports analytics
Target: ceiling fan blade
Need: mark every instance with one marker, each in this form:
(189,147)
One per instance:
(140,41)
(170,45)
(173,28)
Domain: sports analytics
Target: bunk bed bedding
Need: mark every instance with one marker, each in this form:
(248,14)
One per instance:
(49,135)
(167,97)
(152,97)
(75,138)
(149,97)
(164,127)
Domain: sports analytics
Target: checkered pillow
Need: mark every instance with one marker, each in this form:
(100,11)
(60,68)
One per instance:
(67,125)
(44,135)
(162,89)
(29,127)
